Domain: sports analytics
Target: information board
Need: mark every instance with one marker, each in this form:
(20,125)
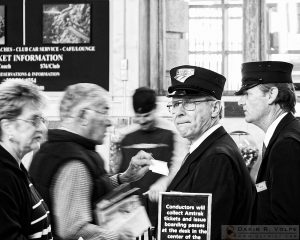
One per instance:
(184,216)
(55,43)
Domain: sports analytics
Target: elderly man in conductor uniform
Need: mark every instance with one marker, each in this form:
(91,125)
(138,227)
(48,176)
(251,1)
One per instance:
(268,100)
(214,164)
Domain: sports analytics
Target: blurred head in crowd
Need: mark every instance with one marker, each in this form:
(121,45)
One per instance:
(23,126)
(144,105)
(267,89)
(84,110)
(196,93)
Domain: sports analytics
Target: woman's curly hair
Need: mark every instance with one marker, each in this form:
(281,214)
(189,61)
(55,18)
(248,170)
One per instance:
(15,94)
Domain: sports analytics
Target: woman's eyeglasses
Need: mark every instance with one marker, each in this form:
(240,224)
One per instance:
(36,121)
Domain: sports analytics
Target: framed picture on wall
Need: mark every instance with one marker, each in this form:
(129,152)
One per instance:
(53,43)
(67,23)
(2,24)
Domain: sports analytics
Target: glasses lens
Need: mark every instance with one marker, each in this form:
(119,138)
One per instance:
(189,105)
(177,104)
(170,107)
(173,106)
(38,121)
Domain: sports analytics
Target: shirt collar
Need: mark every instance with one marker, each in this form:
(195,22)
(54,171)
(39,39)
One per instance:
(272,128)
(203,137)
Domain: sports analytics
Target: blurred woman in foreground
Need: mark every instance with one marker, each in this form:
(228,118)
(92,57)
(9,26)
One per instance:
(23,214)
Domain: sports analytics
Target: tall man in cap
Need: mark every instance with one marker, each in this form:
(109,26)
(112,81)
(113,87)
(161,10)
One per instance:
(156,136)
(214,164)
(268,100)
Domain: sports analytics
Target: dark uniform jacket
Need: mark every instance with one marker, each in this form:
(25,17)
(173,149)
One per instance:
(278,202)
(216,167)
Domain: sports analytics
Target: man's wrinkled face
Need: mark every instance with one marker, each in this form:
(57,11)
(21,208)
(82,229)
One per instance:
(98,123)
(192,116)
(255,105)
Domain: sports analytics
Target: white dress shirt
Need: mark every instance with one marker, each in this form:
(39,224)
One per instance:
(205,135)
(271,129)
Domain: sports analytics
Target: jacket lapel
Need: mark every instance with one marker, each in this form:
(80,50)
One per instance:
(282,124)
(195,155)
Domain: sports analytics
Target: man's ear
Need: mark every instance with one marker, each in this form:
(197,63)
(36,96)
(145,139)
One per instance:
(272,94)
(82,117)
(81,113)
(6,126)
(216,108)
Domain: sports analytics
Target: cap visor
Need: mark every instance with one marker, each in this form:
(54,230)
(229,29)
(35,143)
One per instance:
(244,88)
(240,92)
(182,91)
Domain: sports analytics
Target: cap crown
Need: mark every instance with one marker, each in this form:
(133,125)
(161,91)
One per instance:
(190,80)
(263,72)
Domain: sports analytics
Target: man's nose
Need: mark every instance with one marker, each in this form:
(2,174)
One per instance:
(179,110)
(241,101)
(43,126)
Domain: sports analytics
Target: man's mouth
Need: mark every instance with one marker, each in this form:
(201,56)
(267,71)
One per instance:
(182,123)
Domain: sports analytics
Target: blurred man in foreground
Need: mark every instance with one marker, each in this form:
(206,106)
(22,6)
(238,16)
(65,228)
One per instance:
(70,174)
(156,136)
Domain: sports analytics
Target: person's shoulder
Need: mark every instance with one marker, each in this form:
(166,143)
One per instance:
(225,153)
(74,170)
(8,177)
(226,145)
(295,124)
(286,140)
(76,164)
(128,130)
(290,131)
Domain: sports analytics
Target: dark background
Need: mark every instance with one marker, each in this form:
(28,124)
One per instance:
(92,67)
(190,200)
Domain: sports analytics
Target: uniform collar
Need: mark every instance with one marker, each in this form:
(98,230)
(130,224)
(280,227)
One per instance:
(271,129)
(203,137)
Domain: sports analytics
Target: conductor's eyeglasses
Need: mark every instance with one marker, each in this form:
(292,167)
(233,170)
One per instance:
(188,105)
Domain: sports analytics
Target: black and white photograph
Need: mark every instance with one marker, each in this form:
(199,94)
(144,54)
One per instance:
(149,120)
(2,25)
(66,23)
